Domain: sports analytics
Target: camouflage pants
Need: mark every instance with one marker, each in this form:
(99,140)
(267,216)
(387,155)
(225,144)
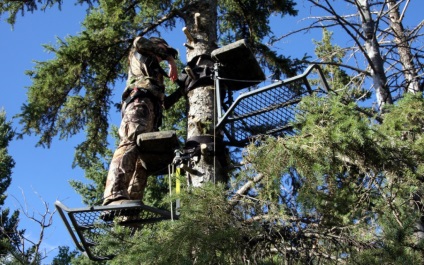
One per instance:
(127,177)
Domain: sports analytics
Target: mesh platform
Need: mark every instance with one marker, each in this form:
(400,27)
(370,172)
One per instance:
(88,226)
(268,110)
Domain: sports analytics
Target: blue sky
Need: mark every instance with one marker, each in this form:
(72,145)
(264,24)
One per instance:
(39,174)
(42,174)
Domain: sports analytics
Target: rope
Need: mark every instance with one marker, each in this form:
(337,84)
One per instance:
(214,135)
(171,171)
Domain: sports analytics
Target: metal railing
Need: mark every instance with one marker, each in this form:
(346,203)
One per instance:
(265,111)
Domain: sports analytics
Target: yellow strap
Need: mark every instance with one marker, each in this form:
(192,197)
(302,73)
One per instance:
(177,180)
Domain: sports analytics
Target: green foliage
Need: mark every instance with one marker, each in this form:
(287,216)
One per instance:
(352,183)
(74,90)
(338,79)
(29,256)
(9,235)
(92,192)
(64,256)
(250,19)
(13,7)
(345,188)
(6,161)
(96,172)
(391,248)
(72,93)
(175,118)
(206,232)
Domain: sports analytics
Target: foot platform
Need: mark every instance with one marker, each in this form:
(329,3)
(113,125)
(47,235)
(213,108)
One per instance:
(157,150)
(88,225)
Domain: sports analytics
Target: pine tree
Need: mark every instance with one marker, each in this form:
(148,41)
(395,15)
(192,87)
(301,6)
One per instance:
(345,189)
(81,78)
(9,235)
(64,257)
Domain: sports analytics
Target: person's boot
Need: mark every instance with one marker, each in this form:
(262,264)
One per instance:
(110,214)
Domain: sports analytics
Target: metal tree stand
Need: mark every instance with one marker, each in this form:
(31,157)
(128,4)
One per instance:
(254,112)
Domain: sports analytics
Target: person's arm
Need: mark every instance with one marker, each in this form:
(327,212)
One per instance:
(173,70)
(170,100)
(145,46)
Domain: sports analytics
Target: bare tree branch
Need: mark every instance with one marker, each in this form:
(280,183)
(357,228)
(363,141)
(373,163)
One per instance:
(32,253)
(244,189)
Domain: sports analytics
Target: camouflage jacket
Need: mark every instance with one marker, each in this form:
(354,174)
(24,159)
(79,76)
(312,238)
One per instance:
(144,69)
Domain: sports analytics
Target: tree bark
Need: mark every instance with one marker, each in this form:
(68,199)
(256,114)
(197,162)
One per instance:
(373,53)
(200,22)
(412,85)
(404,49)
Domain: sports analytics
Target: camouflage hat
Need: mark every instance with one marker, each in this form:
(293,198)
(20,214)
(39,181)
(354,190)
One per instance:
(169,50)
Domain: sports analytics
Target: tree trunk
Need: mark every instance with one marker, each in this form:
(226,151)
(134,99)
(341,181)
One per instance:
(412,84)
(373,53)
(200,22)
(405,55)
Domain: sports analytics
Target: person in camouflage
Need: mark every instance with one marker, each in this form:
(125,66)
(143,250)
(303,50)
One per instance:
(142,102)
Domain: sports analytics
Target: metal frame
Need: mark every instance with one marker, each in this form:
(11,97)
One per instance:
(85,225)
(230,116)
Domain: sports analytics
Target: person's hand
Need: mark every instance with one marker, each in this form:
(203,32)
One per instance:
(173,70)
